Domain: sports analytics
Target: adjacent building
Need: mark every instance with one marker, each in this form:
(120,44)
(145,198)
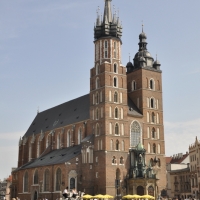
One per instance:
(108,141)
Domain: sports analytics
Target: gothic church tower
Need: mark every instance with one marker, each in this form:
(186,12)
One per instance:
(108,103)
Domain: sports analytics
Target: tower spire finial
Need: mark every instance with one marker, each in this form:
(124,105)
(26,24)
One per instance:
(142,26)
(107,11)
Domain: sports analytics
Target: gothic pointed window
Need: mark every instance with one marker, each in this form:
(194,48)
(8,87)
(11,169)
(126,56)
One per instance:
(115,97)
(115,68)
(97,83)
(152,103)
(154,148)
(97,114)
(35,179)
(58,179)
(151,84)
(133,85)
(97,98)
(116,129)
(115,81)
(26,182)
(153,133)
(46,180)
(152,117)
(116,113)
(135,134)
(97,130)
(117,145)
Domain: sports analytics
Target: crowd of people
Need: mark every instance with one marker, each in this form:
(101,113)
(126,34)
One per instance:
(68,194)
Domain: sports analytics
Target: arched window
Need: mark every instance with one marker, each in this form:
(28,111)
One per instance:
(97,129)
(114,160)
(58,179)
(135,134)
(111,145)
(121,97)
(72,183)
(152,103)
(46,180)
(116,129)
(121,160)
(110,98)
(154,148)
(147,132)
(115,68)
(97,98)
(152,117)
(97,83)
(157,118)
(35,178)
(153,133)
(151,84)
(26,182)
(133,85)
(117,145)
(79,135)
(116,113)
(115,97)
(115,81)
(122,113)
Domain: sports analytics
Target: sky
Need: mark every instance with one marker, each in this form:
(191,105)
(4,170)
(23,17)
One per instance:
(47,51)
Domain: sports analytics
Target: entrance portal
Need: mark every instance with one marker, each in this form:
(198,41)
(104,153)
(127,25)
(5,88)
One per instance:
(140,190)
(35,195)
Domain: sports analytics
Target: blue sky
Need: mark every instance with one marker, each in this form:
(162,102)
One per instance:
(46,52)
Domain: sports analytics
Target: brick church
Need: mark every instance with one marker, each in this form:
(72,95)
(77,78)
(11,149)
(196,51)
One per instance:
(110,141)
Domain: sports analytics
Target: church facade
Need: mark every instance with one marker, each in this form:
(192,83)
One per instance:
(110,141)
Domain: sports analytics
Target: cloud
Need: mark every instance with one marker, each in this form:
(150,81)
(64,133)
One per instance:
(179,135)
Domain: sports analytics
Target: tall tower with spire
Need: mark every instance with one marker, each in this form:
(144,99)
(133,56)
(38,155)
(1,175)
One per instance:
(108,103)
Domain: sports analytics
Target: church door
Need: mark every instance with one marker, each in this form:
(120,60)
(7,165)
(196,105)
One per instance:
(35,195)
(140,190)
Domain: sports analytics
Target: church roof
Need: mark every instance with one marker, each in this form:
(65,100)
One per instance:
(64,114)
(54,157)
(70,112)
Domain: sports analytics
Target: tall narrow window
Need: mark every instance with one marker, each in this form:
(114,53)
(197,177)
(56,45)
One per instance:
(38,148)
(115,68)
(154,148)
(97,129)
(101,112)
(115,54)
(149,148)
(133,85)
(117,145)
(153,133)
(26,182)
(101,97)
(151,84)
(120,97)
(116,129)
(157,118)
(106,44)
(97,98)
(46,180)
(115,97)
(30,151)
(110,112)
(114,161)
(152,117)
(58,141)
(152,102)
(159,148)
(147,102)
(115,81)
(58,179)
(147,132)
(68,139)
(158,133)
(116,113)
(121,161)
